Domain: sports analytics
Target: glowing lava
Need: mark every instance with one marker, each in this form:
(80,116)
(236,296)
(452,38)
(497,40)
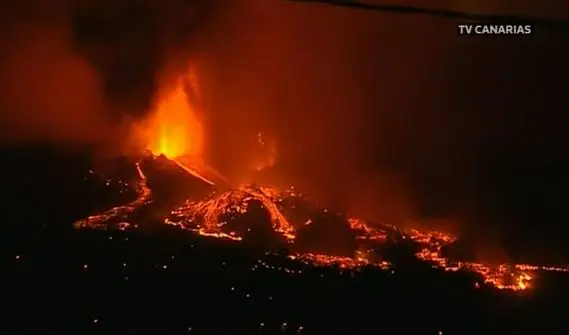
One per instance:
(175,129)
(101,221)
(209,216)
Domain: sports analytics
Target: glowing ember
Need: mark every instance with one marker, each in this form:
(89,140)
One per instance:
(267,152)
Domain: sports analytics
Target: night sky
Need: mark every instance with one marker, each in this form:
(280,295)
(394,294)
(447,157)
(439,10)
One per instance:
(388,116)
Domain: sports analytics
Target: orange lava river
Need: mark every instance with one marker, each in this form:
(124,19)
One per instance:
(210,216)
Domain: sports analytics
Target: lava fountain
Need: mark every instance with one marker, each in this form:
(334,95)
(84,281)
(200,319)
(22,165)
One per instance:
(175,128)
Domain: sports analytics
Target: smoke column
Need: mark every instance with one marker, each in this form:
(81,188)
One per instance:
(328,89)
(389,116)
(78,72)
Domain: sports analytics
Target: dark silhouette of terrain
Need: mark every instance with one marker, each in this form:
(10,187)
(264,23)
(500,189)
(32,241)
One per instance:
(57,279)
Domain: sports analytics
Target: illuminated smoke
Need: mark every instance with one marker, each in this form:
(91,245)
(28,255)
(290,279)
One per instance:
(350,104)
(49,92)
(343,96)
(80,72)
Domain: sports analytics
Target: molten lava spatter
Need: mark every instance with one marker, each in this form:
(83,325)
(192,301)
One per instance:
(175,129)
(176,132)
(266,153)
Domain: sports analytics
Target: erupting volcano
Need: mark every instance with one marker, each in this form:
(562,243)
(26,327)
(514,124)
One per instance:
(175,128)
(264,215)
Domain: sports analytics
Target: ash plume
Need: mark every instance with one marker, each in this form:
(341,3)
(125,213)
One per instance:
(78,72)
(357,98)
(333,91)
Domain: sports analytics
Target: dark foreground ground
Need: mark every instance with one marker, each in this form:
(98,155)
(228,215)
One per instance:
(59,280)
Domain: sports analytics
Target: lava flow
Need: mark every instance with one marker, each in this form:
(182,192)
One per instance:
(514,277)
(101,221)
(207,215)
(176,132)
(213,217)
